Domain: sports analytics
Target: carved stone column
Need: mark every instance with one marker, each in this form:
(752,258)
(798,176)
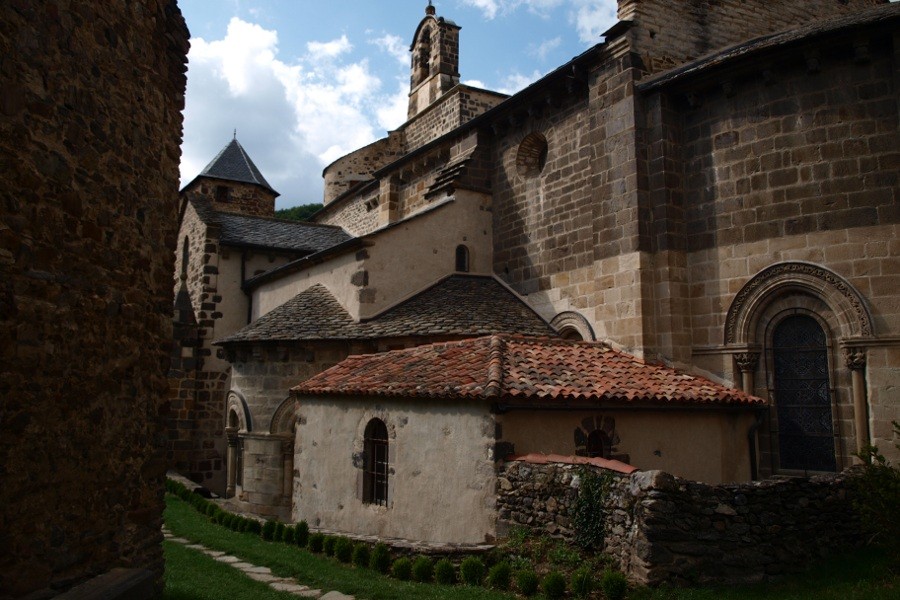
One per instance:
(287,453)
(856,362)
(746,362)
(231,435)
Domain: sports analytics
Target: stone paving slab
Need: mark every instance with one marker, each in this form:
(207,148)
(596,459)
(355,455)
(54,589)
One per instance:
(259,573)
(336,596)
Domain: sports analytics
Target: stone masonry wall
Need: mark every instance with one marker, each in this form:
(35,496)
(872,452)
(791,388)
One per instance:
(241,198)
(670,33)
(665,529)
(90,127)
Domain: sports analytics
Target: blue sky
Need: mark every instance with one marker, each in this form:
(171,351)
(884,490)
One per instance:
(304,82)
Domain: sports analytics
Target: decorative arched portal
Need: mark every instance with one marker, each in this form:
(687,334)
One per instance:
(796,315)
(237,423)
(284,426)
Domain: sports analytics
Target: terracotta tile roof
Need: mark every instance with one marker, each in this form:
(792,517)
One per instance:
(536,458)
(511,368)
(459,305)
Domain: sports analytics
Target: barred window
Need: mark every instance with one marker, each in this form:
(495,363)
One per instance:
(375,476)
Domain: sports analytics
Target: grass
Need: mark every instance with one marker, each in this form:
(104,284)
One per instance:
(191,575)
(868,574)
(307,568)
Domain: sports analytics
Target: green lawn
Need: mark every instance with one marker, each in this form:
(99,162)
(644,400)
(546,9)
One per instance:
(310,569)
(191,575)
(865,575)
(868,574)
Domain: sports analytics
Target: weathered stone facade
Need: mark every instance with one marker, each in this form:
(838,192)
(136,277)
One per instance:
(662,528)
(89,148)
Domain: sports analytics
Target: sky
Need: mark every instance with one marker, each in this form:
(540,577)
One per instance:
(304,82)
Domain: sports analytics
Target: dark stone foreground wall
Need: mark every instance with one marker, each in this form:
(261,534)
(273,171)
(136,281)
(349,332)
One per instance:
(90,126)
(665,529)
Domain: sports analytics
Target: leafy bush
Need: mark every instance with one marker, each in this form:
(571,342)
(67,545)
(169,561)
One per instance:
(499,576)
(268,530)
(877,496)
(343,550)
(316,542)
(422,569)
(211,509)
(287,534)
(279,532)
(361,555)
(301,534)
(380,560)
(254,526)
(471,571)
(564,555)
(402,569)
(554,585)
(589,518)
(445,572)
(527,582)
(582,582)
(328,545)
(614,585)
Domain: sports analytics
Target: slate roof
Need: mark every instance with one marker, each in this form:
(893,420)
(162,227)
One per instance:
(233,163)
(518,369)
(268,233)
(459,305)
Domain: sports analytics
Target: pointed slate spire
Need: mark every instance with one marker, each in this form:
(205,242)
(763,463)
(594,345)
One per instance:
(233,164)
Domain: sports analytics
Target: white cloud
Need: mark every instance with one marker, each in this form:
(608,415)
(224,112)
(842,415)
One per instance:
(393,45)
(491,8)
(476,83)
(544,48)
(293,118)
(592,17)
(326,50)
(392,114)
(488,7)
(517,81)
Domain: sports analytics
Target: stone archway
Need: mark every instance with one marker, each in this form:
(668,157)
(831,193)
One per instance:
(572,325)
(802,288)
(796,277)
(284,426)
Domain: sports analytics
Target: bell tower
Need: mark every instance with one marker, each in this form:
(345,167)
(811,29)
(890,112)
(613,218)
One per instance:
(435,61)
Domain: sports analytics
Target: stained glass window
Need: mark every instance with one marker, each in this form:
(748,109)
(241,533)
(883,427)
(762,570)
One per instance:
(802,396)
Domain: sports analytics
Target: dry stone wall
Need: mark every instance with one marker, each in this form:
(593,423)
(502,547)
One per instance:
(662,528)
(89,149)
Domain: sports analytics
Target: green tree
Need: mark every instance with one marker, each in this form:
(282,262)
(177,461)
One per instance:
(298,213)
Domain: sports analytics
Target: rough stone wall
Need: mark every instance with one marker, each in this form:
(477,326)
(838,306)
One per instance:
(794,163)
(357,216)
(358,166)
(458,107)
(664,529)
(89,149)
(670,33)
(241,198)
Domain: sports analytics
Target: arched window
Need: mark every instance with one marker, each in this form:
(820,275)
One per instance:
(598,444)
(802,395)
(462,259)
(185,257)
(375,476)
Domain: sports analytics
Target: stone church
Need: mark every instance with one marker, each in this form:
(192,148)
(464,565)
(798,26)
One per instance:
(677,251)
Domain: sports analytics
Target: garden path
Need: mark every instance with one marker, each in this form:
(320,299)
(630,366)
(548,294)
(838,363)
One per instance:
(263,574)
